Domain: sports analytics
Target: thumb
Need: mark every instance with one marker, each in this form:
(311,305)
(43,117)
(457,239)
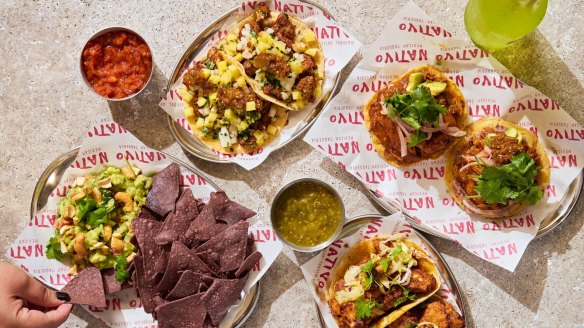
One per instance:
(53,318)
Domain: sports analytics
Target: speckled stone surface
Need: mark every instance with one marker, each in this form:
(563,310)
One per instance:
(46,109)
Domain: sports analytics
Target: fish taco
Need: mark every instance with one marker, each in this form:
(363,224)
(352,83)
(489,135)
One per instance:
(418,116)
(280,57)
(434,312)
(497,170)
(377,277)
(224,112)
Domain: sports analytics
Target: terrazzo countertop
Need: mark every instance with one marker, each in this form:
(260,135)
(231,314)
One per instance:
(46,109)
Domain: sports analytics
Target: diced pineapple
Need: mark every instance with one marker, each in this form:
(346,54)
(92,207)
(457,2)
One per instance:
(231,48)
(262,46)
(308,36)
(185,94)
(259,137)
(201,101)
(299,47)
(240,81)
(213,98)
(242,126)
(226,78)
(208,123)
(206,72)
(318,91)
(234,71)
(191,120)
(215,79)
(272,129)
(230,116)
(231,37)
(253,42)
(222,66)
(296,66)
(311,52)
(238,57)
(299,103)
(296,95)
(189,111)
(265,37)
(200,123)
(212,116)
(250,106)
(280,45)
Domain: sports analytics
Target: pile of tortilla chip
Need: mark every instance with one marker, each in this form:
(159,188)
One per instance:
(193,258)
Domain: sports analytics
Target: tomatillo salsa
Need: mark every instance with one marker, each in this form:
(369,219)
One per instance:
(307,214)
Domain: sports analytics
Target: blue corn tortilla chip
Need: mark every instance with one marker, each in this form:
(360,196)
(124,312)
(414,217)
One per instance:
(149,214)
(165,190)
(216,216)
(180,258)
(145,287)
(86,288)
(222,294)
(248,264)
(230,245)
(188,312)
(178,222)
(110,284)
(187,285)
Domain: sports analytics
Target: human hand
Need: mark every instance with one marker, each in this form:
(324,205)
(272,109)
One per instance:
(25,302)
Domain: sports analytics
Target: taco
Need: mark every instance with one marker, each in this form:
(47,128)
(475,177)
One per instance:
(416,117)
(377,277)
(224,112)
(280,57)
(497,170)
(435,312)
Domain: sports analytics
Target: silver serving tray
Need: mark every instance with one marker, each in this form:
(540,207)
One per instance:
(185,138)
(561,212)
(52,175)
(358,222)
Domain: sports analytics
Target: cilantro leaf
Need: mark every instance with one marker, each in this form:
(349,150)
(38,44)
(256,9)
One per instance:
(406,296)
(398,249)
(97,217)
(512,181)
(122,273)
(364,308)
(367,268)
(416,109)
(384,264)
(84,206)
(53,250)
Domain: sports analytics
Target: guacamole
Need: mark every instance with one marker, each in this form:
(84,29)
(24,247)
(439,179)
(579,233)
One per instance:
(94,224)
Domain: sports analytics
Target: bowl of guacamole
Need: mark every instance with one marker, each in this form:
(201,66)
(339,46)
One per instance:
(95,216)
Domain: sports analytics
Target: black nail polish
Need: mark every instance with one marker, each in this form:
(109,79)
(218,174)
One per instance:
(63,297)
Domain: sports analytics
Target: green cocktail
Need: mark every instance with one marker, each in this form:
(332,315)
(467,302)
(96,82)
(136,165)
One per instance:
(495,24)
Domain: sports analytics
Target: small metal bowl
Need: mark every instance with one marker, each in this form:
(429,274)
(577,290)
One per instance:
(327,242)
(100,33)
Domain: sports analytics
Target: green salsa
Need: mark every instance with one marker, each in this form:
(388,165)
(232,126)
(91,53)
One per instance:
(307,214)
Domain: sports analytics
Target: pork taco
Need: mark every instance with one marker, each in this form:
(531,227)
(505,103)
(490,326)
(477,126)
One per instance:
(435,312)
(416,117)
(497,170)
(279,55)
(377,277)
(224,112)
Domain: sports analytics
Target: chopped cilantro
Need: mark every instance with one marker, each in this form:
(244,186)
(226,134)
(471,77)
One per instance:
(245,134)
(253,33)
(122,273)
(384,264)
(272,80)
(407,296)
(415,109)
(367,268)
(513,181)
(208,63)
(206,131)
(252,116)
(410,325)
(53,250)
(364,308)
(398,249)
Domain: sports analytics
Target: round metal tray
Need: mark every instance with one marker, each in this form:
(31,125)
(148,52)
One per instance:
(186,139)
(558,215)
(358,222)
(52,175)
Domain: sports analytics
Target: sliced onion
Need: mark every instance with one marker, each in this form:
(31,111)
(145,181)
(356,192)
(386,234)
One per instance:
(453,131)
(402,142)
(429,129)
(383,108)
(403,125)
(441,123)
(488,151)
(405,279)
(272,112)
(475,163)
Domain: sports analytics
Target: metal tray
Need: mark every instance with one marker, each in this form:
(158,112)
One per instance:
(52,175)
(356,223)
(561,212)
(185,138)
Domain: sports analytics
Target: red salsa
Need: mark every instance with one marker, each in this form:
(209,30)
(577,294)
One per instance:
(117,64)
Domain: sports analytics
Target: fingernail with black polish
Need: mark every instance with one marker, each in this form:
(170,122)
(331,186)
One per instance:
(63,297)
